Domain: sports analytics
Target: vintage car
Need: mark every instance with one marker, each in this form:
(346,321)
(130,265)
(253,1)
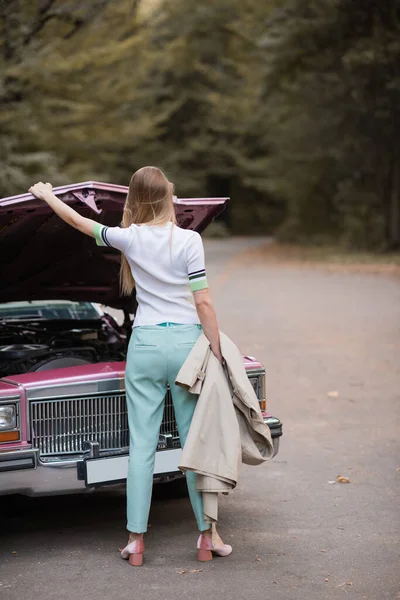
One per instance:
(63,420)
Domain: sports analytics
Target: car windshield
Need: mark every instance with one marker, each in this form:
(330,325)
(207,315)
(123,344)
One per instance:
(48,310)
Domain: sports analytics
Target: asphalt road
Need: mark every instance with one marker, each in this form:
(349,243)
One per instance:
(331,346)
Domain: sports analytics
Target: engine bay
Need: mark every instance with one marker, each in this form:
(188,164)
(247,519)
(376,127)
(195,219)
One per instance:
(28,345)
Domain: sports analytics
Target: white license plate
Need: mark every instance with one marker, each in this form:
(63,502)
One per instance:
(109,469)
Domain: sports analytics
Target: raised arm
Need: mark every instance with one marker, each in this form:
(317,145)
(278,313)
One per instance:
(115,237)
(44,191)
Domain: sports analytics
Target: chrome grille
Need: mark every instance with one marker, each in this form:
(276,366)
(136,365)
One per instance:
(62,425)
(168,425)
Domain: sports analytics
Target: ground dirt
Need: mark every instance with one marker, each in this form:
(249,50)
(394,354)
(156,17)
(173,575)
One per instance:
(330,342)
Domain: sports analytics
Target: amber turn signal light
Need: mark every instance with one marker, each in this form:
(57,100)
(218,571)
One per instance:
(9,436)
(263,404)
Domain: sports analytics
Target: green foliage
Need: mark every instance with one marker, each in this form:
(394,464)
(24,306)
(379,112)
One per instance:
(101,92)
(290,107)
(63,86)
(334,69)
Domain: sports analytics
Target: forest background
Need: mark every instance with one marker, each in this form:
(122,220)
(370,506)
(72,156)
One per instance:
(290,107)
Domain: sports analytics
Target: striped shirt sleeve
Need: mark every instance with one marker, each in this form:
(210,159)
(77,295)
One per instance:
(196,263)
(114,237)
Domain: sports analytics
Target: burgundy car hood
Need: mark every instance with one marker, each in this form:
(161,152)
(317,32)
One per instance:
(43,258)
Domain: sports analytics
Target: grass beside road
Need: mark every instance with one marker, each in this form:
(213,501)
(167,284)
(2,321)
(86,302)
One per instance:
(332,258)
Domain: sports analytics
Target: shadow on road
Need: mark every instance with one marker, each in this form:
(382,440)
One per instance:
(82,512)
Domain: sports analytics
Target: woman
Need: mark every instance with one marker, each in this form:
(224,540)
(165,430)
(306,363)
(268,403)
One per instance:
(166,265)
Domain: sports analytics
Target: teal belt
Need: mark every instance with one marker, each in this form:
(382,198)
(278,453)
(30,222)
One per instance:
(169,324)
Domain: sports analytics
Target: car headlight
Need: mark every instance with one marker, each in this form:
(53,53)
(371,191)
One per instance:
(8,417)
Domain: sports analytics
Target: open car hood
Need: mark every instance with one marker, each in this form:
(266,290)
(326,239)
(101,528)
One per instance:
(44,258)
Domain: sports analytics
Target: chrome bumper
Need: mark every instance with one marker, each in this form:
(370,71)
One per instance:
(23,472)
(275,427)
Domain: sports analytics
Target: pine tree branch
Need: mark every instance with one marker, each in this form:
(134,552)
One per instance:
(45,16)
(9,18)
(46,6)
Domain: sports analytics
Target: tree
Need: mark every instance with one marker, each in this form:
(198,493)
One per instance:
(61,87)
(334,69)
(203,91)
(290,108)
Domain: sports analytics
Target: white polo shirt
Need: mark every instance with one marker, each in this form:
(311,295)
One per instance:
(167,264)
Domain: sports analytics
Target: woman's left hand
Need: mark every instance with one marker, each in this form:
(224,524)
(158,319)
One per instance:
(41,190)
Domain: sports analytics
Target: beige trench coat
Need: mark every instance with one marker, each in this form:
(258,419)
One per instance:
(227,427)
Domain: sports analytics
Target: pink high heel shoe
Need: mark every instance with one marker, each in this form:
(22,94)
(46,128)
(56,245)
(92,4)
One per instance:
(206,548)
(134,552)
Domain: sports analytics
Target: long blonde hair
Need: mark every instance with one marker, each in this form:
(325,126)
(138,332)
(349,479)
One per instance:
(150,201)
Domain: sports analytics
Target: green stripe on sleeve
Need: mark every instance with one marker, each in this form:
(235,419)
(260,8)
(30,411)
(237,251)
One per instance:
(195,286)
(97,229)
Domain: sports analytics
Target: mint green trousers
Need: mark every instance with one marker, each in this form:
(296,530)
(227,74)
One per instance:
(155,356)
